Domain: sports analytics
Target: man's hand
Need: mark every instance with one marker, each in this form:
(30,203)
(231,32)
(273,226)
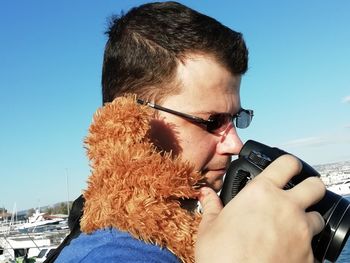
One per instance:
(263,223)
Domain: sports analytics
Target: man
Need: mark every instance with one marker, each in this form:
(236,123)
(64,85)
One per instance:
(191,66)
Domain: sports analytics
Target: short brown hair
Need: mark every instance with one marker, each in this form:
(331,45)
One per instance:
(146,44)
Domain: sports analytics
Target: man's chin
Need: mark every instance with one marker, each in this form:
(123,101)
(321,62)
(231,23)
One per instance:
(216,186)
(214,179)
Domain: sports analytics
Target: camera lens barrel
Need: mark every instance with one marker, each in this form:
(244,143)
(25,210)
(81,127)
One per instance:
(336,213)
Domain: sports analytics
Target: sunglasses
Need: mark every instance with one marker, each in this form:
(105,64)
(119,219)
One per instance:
(216,122)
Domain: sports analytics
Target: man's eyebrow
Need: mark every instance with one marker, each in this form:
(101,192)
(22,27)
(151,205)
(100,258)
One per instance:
(204,112)
(214,112)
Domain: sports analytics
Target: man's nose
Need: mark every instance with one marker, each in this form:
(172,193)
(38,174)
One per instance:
(229,143)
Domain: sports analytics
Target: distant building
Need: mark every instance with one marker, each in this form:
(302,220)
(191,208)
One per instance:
(5,216)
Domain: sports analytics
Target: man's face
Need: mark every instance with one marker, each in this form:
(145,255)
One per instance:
(207,88)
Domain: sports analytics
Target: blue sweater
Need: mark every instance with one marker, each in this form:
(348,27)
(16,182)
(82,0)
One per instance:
(112,245)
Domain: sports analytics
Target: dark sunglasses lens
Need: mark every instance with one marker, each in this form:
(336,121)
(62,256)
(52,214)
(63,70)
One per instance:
(243,119)
(218,122)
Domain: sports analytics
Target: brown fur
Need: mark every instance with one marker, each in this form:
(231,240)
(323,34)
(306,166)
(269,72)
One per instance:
(134,187)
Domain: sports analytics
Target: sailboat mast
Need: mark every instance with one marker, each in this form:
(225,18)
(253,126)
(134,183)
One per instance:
(67,192)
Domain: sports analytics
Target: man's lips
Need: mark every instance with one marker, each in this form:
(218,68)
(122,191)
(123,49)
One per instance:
(218,170)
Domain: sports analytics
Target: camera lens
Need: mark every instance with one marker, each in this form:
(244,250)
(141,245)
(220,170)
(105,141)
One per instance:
(330,242)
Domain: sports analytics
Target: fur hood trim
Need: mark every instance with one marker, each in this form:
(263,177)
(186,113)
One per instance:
(135,188)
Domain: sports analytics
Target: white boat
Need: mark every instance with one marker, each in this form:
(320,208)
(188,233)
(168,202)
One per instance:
(20,245)
(340,188)
(38,220)
(29,245)
(41,257)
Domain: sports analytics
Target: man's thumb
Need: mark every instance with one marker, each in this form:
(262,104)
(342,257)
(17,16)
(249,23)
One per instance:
(211,206)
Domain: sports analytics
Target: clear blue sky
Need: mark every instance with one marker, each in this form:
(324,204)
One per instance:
(298,83)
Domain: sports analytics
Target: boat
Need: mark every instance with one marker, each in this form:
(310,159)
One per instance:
(21,245)
(27,239)
(38,221)
(342,189)
(45,251)
(29,245)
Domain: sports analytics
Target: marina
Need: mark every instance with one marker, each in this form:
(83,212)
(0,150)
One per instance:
(35,244)
(31,240)
(342,188)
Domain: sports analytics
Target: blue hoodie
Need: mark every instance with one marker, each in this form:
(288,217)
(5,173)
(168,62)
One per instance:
(112,245)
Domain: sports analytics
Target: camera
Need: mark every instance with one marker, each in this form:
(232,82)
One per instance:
(255,157)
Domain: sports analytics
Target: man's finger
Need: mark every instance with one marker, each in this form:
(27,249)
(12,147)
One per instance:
(282,170)
(316,222)
(211,206)
(308,192)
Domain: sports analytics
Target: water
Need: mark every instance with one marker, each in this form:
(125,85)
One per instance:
(344,256)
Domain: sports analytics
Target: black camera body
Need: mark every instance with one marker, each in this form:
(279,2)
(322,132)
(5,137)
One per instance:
(255,157)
